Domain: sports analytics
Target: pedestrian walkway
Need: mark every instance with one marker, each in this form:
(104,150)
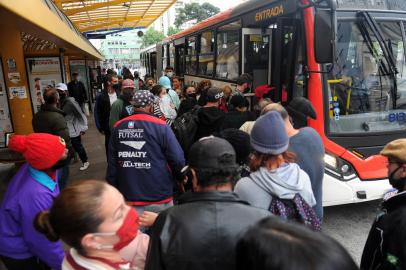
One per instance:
(93,142)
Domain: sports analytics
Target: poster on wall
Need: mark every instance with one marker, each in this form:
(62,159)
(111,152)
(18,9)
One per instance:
(79,67)
(5,117)
(43,73)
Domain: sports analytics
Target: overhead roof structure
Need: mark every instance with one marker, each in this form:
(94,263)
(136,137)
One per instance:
(46,29)
(96,15)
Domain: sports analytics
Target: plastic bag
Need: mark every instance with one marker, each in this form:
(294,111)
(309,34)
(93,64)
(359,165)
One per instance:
(86,109)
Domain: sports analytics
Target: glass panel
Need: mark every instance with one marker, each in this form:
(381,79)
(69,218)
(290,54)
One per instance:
(206,42)
(206,64)
(191,59)
(361,91)
(256,53)
(171,50)
(228,56)
(191,46)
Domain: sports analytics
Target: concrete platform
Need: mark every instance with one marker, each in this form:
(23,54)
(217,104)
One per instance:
(93,141)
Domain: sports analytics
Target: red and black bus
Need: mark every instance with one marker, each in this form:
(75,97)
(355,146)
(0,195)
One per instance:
(347,57)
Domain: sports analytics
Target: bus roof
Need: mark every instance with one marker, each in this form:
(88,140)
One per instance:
(234,12)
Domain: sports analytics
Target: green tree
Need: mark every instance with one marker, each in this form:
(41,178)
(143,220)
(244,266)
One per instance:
(195,11)
(173,30)
(151,36)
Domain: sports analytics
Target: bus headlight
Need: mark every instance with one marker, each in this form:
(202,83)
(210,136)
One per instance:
(339,168)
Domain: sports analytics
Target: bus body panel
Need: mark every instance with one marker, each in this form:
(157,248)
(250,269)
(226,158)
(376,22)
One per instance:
(367,168)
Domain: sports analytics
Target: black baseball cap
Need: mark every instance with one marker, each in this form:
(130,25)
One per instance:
(212,153)
(214,94)
(302,107)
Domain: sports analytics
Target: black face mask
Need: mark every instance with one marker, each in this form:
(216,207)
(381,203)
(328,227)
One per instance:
(127,96)
(193,95)
(116,86)
(399,184)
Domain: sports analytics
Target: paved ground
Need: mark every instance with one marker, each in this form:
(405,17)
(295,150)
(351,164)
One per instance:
(349,224)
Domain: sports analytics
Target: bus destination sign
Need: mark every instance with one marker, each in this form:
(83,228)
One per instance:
(264,15)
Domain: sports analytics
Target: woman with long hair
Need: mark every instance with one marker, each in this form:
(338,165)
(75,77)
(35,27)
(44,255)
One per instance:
(101,229)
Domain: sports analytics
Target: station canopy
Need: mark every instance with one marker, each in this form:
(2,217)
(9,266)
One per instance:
(102,15)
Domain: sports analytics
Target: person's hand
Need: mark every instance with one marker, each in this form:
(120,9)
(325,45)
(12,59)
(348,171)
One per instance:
(147,218)
(82,133)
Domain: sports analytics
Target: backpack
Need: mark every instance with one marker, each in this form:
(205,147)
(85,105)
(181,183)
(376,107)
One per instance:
(295,209)
(185,128)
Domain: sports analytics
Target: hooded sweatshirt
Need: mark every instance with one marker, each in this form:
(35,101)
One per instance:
(284,182)
(210,121)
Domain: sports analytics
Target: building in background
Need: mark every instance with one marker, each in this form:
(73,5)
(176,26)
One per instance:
(122,49)
(167,19)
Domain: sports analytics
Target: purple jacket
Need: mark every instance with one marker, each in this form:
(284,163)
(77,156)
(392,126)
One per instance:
(29,192)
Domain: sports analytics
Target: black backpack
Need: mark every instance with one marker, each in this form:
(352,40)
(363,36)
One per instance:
(185,128)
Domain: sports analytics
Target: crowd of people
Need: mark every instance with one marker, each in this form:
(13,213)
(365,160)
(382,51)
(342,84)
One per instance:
(197,178)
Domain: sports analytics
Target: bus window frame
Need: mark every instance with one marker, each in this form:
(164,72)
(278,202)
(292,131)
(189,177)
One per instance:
(239,32)
(211,53)
(196,39)
(215,31)
(349,139)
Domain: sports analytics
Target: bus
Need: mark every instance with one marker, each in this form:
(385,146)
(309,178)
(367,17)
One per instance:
(347,57)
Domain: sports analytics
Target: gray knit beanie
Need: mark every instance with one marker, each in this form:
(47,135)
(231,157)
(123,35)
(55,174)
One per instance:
(268,136)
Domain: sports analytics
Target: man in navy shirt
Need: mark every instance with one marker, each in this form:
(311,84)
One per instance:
(143,157)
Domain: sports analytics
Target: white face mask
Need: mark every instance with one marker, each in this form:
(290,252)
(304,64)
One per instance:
(169,74)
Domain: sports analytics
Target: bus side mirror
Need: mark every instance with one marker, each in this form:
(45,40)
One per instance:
(324,36)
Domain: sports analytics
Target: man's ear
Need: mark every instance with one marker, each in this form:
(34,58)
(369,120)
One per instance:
(403,173)
(195,181)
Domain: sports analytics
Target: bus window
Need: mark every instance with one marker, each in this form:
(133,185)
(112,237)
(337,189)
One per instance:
(362,96)
(191,58)
(164,56)
(228,57)
(180,54)
(256,55)
(206,55)
(171,55)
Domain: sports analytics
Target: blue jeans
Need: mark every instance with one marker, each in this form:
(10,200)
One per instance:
(63,178)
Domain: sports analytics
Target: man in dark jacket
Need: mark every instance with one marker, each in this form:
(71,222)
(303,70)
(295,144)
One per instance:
(210,116)
(122,107)
(143,155)
(51,120)
(237,116)
(202,231)
(77,90)
(104,101)
(386,244)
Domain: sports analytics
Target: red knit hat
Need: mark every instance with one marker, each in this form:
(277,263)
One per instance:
(40,150)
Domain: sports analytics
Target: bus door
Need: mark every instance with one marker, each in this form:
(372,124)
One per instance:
(256,54)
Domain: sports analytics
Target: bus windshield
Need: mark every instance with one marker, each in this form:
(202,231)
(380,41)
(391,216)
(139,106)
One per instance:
(364,95)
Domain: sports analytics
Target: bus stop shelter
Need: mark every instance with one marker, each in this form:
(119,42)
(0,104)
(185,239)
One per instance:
(43,43)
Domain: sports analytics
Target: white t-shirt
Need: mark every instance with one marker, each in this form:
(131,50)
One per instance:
(112,97)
